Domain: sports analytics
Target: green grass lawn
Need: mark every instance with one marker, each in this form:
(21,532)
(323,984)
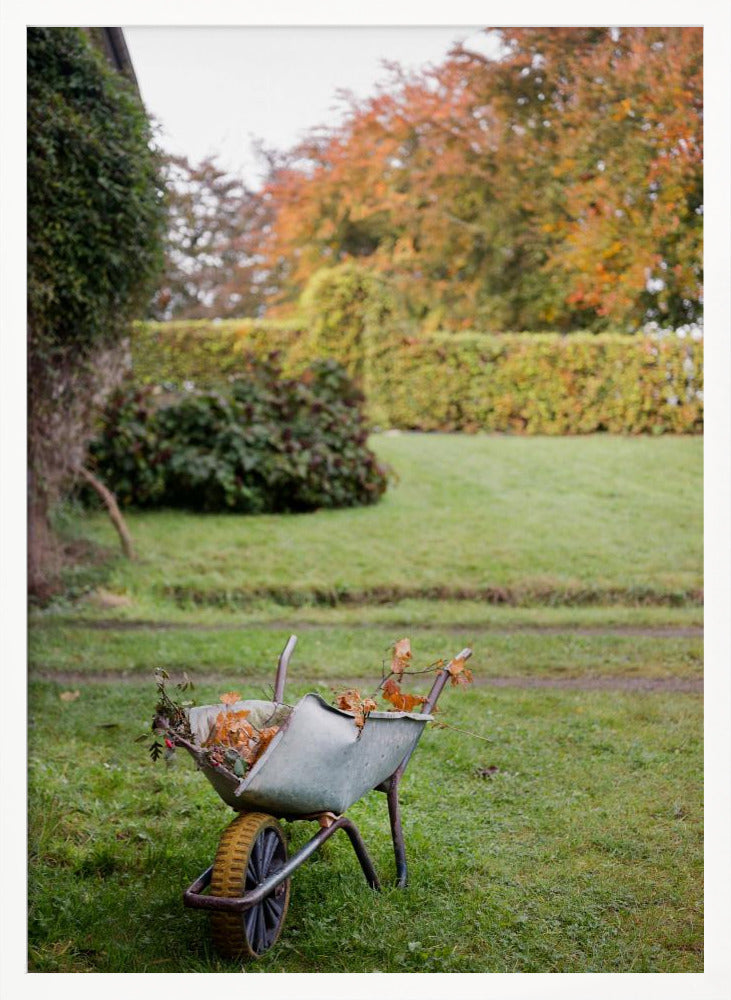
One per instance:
(324,653)
(546,519)
(582,852)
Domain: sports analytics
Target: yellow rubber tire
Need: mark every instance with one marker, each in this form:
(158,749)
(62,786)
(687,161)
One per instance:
(251,849)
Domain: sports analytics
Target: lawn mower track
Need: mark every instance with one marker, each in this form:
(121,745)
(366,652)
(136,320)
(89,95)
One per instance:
(584,683)
(283,625)
(669,685)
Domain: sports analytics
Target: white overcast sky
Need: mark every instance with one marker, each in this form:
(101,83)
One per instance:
(214,89)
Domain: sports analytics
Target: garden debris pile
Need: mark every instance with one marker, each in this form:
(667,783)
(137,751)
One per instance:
(233,735)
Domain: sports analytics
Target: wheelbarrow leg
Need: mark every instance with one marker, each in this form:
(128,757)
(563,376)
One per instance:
(390,786)
(397,833)
(360,852)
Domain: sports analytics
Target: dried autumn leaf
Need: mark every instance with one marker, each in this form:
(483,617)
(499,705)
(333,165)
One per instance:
(69,695)
(230,698)
(248,750)
(231,729)
(463,677)
(407,702)
(265,738)
(351,701)
(401,656)
(410,701)
(390,687)
(348,700)
(367,706)
(400,701)
(456,665)
(458,672)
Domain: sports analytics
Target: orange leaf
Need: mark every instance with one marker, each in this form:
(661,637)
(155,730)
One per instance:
(367,706)
(458,671)
(230,697)
(401,656)
(410,701)
(231,729)
(348,700)
(265,738)
(351,701)
(464,677)
(456,666)
(390,687)
(400,701)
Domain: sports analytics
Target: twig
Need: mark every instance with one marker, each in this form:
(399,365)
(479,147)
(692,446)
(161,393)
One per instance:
(436,665)
(465,732)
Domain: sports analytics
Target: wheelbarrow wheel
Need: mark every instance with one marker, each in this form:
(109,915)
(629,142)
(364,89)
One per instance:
(251,849)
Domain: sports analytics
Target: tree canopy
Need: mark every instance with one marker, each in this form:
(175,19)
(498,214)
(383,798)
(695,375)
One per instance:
(556,186)
(211,264)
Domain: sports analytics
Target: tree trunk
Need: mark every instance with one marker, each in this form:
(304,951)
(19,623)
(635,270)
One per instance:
(44,556)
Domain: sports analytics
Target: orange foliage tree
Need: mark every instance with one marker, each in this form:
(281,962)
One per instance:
(557,185)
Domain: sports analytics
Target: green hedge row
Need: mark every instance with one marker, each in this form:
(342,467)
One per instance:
(205,352)
(519,383)
(541,383)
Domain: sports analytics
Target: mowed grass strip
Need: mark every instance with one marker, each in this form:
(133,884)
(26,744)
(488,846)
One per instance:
(103,608)
(341,652)
(580,852)
(571,516)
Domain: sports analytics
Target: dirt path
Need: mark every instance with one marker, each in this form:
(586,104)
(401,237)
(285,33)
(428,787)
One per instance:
(283,625)
(670,685)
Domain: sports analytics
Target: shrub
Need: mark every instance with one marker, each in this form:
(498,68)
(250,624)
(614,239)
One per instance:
(96,213)
(342,308)
(265,444)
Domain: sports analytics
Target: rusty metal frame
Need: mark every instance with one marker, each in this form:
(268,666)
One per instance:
(194,895)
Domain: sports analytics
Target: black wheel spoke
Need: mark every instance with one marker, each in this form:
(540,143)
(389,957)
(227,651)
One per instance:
(260,930)
(249,921)
(251,879)
(270,846)
(255,860)
(272,910)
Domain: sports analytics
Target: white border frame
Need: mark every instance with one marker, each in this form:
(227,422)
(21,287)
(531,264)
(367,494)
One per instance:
(14,16)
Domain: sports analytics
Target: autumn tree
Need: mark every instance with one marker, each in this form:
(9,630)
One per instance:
(212,268)
(610,129)
(558,185)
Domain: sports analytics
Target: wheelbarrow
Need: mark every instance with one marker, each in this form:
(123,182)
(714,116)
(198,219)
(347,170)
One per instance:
(316,766)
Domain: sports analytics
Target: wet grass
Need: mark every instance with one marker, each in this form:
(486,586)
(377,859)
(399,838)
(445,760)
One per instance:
(572,842)
(597,519)
(581,852)
(341,651)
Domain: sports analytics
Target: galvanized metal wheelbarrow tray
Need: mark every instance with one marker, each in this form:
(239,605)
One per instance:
(315,768)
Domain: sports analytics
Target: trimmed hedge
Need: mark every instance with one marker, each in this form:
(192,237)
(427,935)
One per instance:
(205,352)
(517,383)
(542,383)
(340,306)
